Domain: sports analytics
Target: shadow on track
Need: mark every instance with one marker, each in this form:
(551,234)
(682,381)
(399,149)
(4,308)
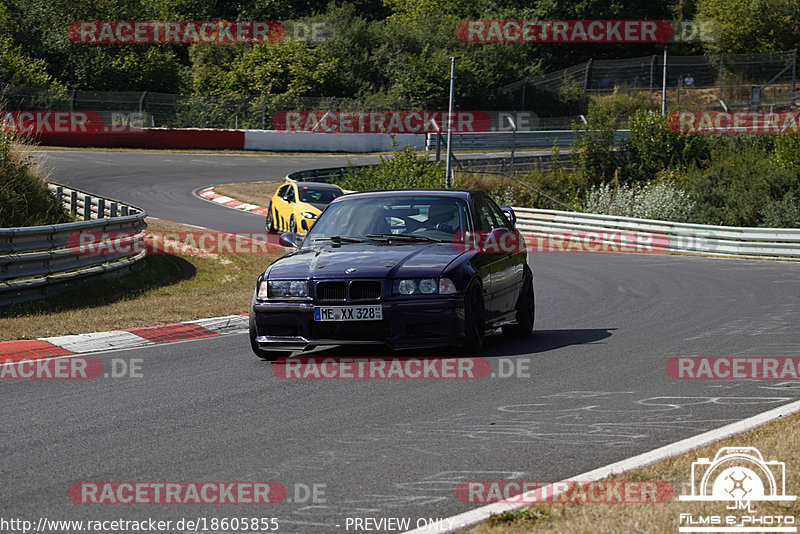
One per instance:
(496,346)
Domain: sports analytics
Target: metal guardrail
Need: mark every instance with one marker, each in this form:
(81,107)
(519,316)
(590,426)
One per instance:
(36,261)
(664,235)
(539,139)
(502,164)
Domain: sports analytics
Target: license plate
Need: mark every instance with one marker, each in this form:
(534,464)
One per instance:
(348,313)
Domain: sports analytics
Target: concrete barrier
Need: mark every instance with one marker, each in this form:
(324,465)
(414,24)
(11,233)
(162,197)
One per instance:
(329,142)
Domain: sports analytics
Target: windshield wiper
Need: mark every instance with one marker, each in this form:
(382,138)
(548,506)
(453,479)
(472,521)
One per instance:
(339,239)
(406,237)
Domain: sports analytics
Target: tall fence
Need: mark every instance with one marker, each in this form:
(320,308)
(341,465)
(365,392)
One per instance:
(36,261)
(740,80)
(150,109)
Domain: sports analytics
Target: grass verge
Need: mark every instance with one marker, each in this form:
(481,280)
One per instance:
(258,193)
(778,440)
(168,289)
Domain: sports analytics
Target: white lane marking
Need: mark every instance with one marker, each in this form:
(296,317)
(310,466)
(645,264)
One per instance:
(98,341)
(477,515)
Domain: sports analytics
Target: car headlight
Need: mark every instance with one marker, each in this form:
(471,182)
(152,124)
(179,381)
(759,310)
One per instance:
(423,286)
(309,215)
(283,288)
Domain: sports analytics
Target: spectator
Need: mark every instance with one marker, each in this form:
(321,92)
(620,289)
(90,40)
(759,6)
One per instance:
(606,83)
(688,81)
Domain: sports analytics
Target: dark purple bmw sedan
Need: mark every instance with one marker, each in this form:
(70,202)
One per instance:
(404,268)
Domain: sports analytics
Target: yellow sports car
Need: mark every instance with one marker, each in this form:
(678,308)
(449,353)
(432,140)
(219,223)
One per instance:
(295,206)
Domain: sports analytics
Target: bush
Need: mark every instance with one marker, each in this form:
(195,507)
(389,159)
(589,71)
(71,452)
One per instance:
(663,201)
(625,102)
(595,158)
(25,199)
(652,147)
(787,151)
(743,186)
(404,169)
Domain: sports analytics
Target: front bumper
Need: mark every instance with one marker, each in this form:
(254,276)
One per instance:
(407,323)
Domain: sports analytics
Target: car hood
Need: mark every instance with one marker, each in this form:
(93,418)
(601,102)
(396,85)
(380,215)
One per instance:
(370,260)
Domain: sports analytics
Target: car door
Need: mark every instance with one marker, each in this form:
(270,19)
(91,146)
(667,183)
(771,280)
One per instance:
(485,262)
(279,206)
(291,203)
(506,268)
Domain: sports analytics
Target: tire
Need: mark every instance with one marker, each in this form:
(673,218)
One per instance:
(268,355)
(293,225)
(526,311)
(270,220)
(474,318)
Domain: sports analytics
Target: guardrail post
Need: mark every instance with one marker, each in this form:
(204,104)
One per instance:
(87,208)
(124,211)
(794,76)
(60,195)
(73,202)
(101,208)
(113,209)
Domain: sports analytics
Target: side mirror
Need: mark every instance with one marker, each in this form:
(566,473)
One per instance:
(512,217)
(290,240)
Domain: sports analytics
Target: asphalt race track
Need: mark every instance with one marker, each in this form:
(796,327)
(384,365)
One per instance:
(208,410)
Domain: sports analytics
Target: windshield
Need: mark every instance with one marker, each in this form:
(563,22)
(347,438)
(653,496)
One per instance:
(318,195)
(426,217)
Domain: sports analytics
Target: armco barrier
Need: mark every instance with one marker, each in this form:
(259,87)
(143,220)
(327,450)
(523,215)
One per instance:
(678,237)
(462,164)
(198,138)
(233,140)
(36,261)
(540,139)
(149,138)
(669,236)
(330,142)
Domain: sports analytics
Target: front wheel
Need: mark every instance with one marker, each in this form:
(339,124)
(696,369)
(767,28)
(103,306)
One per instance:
(526,309)
(474,318)
(269,355)
(293,225)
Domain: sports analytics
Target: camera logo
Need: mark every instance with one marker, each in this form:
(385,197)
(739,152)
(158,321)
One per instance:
(738,474)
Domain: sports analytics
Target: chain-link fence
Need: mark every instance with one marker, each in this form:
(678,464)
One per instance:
(739,80)
(184,111)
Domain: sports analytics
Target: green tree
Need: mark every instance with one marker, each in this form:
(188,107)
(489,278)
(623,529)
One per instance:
(745,26)
(18,68)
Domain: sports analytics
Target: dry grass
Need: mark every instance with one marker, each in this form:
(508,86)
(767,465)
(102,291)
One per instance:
(258,193)
(169,288)
(779,440)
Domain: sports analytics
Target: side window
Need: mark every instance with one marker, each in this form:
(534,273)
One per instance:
(282,191)
(500,218)
(289,194)
(489,216)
